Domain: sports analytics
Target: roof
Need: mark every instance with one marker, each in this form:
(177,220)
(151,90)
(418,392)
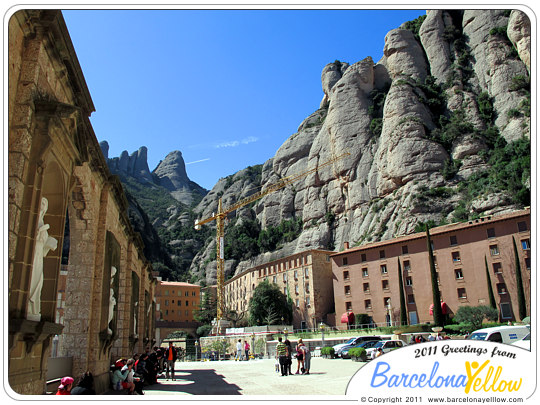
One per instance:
(177,284)
(438,231)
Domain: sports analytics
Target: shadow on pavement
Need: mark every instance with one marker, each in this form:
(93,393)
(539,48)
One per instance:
(195,382)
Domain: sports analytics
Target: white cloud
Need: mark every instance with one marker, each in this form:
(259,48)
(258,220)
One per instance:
(233,144)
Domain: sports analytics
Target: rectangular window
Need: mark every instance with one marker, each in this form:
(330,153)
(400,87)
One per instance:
(528,263)
(365,272)
(285,290)
(406,265)
(490,233)
(296,274)
(456,258)
(308,302)
(296,288)
(366,287)
(410,298)
(274,279)
(506,311)
(382,254)
(166,303)
(348,306)
(501,288)
(526,244)
(385,284)
(187,293)
(462,293)
(384,270)
(306,272)
(345,261)
(363,257)
(367,304)
(307,287)
(453,240)
(285,277)
(187,303)
(179,303)
(186,313)
(459,274)
(522,226)
(404,250)
(347,290)
(386,302)
(408,281)
(494,250)
(497,268)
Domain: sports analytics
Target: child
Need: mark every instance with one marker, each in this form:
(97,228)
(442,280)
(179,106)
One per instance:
(278,370)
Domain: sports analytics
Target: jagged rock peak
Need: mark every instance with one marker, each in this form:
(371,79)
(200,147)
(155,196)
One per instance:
(171,171)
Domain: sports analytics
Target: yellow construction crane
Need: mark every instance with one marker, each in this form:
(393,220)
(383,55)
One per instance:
(220,224)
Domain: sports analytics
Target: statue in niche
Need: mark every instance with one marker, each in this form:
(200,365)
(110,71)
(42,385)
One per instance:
(135,310)
(44,244)
(112,301)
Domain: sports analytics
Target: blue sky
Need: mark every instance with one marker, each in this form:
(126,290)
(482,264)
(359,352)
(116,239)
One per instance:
(225,87)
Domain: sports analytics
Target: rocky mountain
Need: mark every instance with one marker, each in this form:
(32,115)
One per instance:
(160,208)
(438,131)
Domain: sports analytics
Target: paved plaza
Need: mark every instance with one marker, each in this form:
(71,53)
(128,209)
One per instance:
(256,377)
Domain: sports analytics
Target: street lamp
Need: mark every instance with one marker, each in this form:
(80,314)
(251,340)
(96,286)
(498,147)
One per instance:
(321,327)
(389,307)
(253,343)
(196,350)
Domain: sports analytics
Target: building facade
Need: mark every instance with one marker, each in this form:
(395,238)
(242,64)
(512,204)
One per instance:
(366,277)
(306,277)
(177,301)
(58,179)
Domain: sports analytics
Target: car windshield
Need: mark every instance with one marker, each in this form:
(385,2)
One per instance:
(379,344)
(478,336)
(368,344)
(348,342)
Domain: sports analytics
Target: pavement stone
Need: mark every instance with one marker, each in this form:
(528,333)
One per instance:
(256,377)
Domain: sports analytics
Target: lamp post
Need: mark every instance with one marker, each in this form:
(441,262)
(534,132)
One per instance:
(196,350)
(253,343)
(321,327)
(389,307)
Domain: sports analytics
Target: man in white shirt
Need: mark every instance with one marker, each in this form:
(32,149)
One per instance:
(238,350)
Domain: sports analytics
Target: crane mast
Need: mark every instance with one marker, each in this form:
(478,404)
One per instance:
(220,225)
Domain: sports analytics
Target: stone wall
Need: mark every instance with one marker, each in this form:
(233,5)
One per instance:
(54,154)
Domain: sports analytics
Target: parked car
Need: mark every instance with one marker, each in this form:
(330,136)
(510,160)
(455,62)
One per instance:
(365,345)
(501,334)
(354,341)
(524,343)
(386,346)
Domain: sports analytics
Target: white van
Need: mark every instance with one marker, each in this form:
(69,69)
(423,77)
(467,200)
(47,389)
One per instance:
(501,334)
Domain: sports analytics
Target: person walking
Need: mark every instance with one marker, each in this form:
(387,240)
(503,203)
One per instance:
(289,356)
(238,350)
(281,350)
(246,349)
(170,358)
(307,358)
(299,356)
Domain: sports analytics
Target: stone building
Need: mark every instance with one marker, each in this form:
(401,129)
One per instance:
(306,277)
(58,179)
(177,303)
(366,277)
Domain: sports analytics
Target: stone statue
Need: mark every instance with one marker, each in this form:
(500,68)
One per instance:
(136,308)
(44,243)
(112,301)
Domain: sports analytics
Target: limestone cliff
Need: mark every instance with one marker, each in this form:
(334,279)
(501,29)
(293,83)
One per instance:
(428,128)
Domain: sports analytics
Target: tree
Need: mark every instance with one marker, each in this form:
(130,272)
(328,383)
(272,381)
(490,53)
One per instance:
(268,305)
(474,316)
(438,318)
(492,302)
(402,304)
(522,306)
(208,310)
